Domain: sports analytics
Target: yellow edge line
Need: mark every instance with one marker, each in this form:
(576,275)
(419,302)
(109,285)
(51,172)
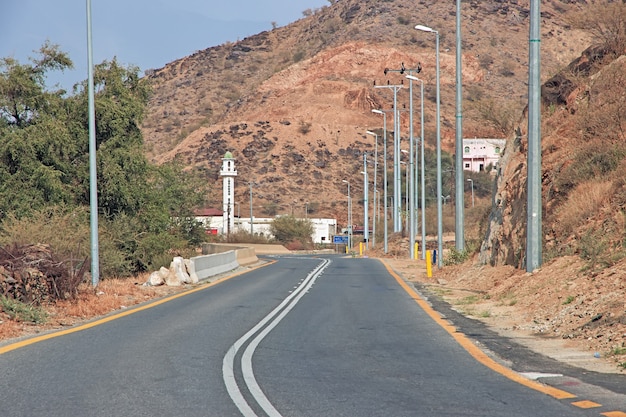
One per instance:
(37,339)
(472,349)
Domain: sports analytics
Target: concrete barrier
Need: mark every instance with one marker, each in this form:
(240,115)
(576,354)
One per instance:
(245,255)
(206,266)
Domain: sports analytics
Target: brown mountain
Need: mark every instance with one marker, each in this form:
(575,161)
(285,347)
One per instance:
(293,104)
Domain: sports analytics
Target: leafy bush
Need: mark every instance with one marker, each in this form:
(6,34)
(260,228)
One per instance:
(244,236)
(591,162)
(19,311)
(456,257)
(593,248)
(287,229)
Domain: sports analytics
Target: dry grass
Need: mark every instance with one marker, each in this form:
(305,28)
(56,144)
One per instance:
(110,295)
(583,202)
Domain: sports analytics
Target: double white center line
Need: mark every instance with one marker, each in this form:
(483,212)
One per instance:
(261,330)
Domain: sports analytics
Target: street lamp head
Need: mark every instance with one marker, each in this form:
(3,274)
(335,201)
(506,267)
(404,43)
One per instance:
(424,28)
(378,111)
(412,77)
(347,182)
(369,132)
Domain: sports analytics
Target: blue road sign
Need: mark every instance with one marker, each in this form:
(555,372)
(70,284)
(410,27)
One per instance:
(340,239)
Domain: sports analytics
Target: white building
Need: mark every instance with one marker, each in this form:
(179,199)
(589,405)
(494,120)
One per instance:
(323,229)
(478,154)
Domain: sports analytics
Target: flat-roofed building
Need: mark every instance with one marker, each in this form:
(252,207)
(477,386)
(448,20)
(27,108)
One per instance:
(480,154)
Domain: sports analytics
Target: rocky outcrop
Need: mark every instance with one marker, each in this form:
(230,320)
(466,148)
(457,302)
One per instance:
(504,240)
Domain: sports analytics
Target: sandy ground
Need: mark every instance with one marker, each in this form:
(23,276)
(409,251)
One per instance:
(510,315)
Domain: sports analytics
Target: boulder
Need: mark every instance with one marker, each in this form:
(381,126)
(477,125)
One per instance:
(156,279)
(178,270)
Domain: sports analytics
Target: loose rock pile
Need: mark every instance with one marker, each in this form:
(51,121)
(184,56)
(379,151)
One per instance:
(34,274)
(175,276)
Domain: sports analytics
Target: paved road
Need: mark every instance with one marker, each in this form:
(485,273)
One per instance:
(303,336)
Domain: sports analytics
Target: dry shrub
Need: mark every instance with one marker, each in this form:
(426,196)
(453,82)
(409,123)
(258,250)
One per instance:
(605,115)
(583,202)
(110,295)
(10,329)
(65,231)
(295,245)
(604,20)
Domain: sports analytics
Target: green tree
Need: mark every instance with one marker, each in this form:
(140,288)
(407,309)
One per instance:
(22,87)
(122,168)
(146,211)
(37,151)
(287,229)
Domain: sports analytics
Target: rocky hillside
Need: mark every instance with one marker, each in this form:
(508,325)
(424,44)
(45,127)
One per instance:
(293,104)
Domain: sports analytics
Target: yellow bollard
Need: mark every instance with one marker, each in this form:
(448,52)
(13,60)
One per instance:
(429,265)
(360,248)
(346,249)
(416,251)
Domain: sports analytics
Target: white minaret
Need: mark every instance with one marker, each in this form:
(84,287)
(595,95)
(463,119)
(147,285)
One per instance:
(228,173)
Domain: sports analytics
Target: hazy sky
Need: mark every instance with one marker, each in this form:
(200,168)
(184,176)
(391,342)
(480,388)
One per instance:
(146,33)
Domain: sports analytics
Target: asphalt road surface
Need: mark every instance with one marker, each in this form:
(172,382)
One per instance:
(302,336)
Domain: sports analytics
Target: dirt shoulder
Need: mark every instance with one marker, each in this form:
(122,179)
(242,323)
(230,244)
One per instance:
(558,311)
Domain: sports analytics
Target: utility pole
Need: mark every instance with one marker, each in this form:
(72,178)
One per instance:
(533,223)
(459,227)
(411,195)
(397,225)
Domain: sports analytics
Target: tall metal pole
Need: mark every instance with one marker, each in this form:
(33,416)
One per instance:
(375,184)
(411,196)
(459,227)
(385,173)
(533,233)
(93,187)
(439,192)
(396,174)
(439,185)
(397,188)
(349,215)
(423,166)
(365,202)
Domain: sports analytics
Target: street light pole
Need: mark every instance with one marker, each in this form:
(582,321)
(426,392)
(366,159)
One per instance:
(93,184)
(533,223)
(422,164)
(406,188)
(365,202)
(438,117)
(385,168)
(375,185)
(349,216)
(459,228)
(396,158)
(471,181)
(413,195)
